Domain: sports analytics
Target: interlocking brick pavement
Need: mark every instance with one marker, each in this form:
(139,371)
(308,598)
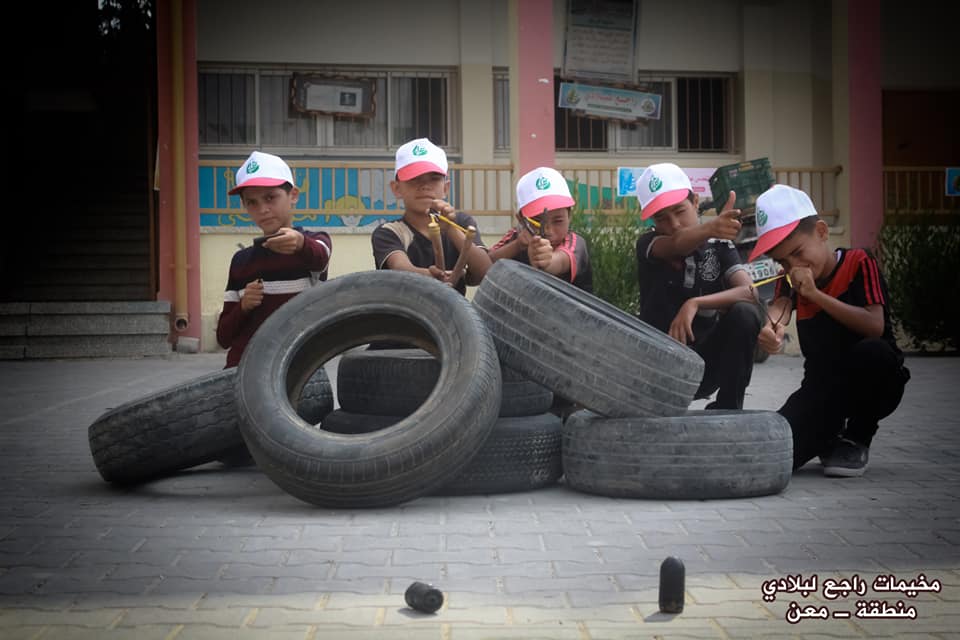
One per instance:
(223,553)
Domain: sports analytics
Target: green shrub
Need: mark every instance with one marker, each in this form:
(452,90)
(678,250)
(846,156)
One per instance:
(920,257)
(611,240)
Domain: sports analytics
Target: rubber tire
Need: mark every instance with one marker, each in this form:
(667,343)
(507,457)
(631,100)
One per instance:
(697,456)
(183,426)
(582,348)
(388,467)
(521,453)
(394,382)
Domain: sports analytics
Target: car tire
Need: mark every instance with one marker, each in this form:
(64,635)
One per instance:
(696,456)
(394,382)
(387,467)
(582,348)
(520,454)
(184,426)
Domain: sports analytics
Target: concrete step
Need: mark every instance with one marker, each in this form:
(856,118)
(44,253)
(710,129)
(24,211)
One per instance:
(98,325)
(81,292)
(84,329)
(87,276)
(118,346)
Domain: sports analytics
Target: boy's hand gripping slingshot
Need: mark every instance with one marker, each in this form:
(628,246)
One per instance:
(461,266)
(434,229)
(468,235)
(530,223)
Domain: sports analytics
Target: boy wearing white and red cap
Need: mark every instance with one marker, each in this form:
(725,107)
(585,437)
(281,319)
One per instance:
(544,197)
(288,260)
(421,183)
(853,373)
(692,284)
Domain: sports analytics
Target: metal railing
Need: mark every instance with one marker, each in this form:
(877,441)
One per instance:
(362,188)
(596,187)
(820,183)
(913,190)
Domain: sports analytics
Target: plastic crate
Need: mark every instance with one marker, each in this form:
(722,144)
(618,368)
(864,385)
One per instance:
(748,179)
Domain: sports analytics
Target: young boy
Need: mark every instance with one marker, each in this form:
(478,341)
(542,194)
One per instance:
(543,196)
(421,183)
(692,284)
(853,371)
(269,273)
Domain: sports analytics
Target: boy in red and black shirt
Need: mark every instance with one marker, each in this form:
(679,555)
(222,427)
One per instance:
(544,198)
(853,370)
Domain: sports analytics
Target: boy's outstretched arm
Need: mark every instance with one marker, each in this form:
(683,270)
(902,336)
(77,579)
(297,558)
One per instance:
(867,321)
(726,226)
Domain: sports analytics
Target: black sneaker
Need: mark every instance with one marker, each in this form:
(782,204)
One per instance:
(848,459)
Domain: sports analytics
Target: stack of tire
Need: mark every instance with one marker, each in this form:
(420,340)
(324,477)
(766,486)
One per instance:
(463,410)
(635,437)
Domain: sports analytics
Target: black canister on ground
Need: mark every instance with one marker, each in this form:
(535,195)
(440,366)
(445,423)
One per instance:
(423,597)
(672,578)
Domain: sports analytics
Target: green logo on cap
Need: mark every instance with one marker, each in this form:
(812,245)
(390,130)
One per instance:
(252,166)
(655,184)
(419,151)
(542,184)
(761,217)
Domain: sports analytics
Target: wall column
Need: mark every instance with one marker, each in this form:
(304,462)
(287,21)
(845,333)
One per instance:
(532,128)
(178,149)
(865,122)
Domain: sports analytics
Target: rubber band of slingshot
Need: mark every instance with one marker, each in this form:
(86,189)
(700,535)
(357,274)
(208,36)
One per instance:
(449,221)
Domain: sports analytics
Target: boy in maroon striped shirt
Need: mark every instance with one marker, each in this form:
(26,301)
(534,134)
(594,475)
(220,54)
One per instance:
(853,370)
(267,274)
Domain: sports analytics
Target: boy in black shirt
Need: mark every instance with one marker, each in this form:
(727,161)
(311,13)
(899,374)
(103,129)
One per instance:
(853,370)
(692,284)
(421,183)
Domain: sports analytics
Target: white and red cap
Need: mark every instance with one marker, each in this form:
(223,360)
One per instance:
(660,186)
(779,210)
(542,188)
(418,157)
(262,170)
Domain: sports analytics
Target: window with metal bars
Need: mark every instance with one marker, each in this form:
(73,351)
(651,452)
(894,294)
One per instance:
(252,107)
(696,116)
(575,132)
(702,114)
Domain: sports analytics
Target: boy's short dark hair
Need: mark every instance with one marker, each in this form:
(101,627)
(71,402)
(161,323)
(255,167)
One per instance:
(805,225)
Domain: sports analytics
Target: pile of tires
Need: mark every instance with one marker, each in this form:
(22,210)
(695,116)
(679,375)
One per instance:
(635,437)
(470,407)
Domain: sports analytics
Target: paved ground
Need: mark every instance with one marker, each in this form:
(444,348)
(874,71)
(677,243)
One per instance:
(216,553)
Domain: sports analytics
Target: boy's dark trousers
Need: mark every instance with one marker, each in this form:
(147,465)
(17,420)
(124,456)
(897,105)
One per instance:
(848,398)
(728,354)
